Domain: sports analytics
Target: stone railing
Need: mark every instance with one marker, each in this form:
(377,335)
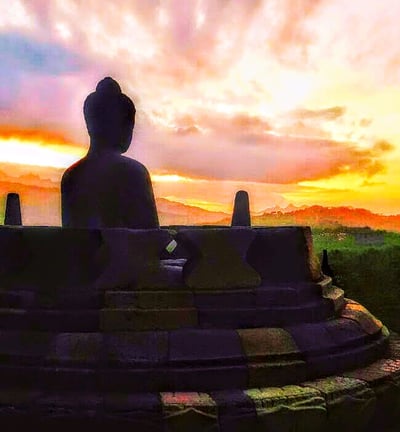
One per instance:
(212,258)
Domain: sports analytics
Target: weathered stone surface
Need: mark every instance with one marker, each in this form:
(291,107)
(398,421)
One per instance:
(135,349)
(196,412)
(236,411)
(277,372)
(205,347)
(45,319)
(332,293)
(350,402)
(218,258)
(268,343)
(383,377)
(52,260)
(140,411)
(147,319)
(288,408)
(355,311)
(149,299)
(135,328)
(282,254)
(134,259)
(76,349)
(24,347)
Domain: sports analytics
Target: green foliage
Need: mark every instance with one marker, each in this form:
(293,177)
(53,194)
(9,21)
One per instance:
(368,274)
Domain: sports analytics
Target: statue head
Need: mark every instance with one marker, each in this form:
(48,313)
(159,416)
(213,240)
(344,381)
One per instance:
(110,117)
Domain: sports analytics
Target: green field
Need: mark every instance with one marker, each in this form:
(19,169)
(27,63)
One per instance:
(344,239)
(369,274)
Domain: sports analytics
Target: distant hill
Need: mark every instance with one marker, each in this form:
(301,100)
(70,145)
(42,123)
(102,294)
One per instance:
(174,213)
(315,216)
(329,217)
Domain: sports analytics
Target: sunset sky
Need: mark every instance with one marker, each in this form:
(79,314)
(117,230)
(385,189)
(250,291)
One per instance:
(295,101)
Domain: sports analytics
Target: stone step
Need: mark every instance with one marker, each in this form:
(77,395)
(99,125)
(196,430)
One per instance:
(148,299)
(182,359)
(25,299)
(147,319)
(183,316)
(54,320)
(363,399)
(277,316)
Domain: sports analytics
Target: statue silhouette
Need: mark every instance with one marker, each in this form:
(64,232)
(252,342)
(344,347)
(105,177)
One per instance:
(106,189)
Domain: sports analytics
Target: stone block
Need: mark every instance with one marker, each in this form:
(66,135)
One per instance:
(147,319)
(133,259)
(227,318)
(192,411)
(268,343)
(24,347)
(282,254)
(355,311)
(76,349)
(276,373)
(217,259)
(288,408)
(136,349)
(214,346)
(205,378)
(383,377)
(149,299)
(350,402)
(52,258)
(139,411)
(236,411)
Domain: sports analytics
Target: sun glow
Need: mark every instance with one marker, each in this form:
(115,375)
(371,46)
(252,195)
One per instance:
(14,150)
(170,178)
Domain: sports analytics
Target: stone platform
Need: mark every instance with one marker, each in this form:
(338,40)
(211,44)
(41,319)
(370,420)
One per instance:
(237,331)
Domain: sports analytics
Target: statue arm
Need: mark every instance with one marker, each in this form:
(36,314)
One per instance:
(152,216)
(65,206)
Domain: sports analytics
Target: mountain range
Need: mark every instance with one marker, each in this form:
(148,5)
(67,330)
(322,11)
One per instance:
(173,213)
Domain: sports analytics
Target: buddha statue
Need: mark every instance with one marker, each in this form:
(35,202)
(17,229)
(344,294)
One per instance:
(106,189)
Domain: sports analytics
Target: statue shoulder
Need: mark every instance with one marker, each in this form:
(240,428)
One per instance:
(71,172)
(134,166)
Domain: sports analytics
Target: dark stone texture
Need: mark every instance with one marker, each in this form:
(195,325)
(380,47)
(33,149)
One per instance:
(141,412)
(134,261)
(268,343)
(225,299)
(227,318)
(350,403)
(218,258)
(136,349)
(281,254)
(241,210)
(52,260)
(147,319)
(149,299)
(196,412)
(205,347)
(236,411)
(85,341)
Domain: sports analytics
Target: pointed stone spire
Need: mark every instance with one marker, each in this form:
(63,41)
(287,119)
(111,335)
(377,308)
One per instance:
(325,267)
(241,210)
(13,210)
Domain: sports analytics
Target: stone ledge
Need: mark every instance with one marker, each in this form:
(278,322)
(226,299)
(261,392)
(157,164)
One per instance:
(350,401)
